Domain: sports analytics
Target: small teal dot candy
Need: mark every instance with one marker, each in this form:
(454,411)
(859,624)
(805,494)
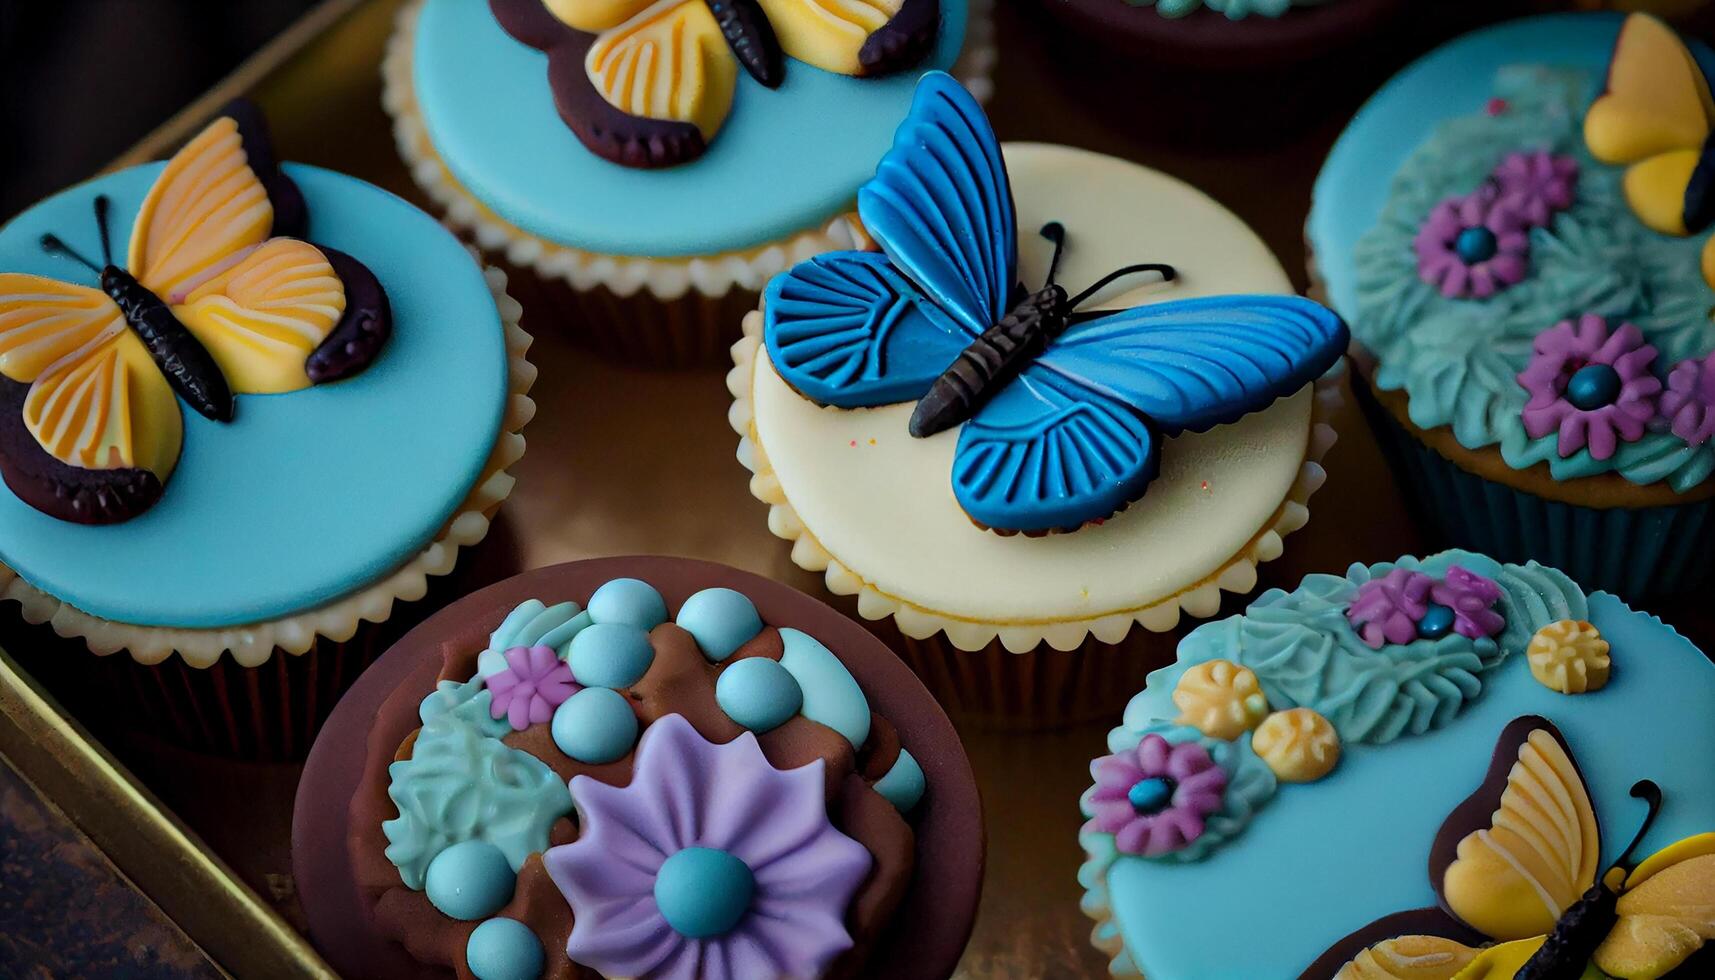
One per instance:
(1476,244)
(720,620)
(628,601)
(703,892)
(595,726)
(1436,623)
(470,880)
(1150,795)
(1593,386)
(504,949)
(610,655)
(758,693)
(903,785)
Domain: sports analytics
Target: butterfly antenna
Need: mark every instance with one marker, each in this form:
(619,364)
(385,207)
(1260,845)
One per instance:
(1055,232)
(1649,792)
(1167,272)
(101,206)
(52,245)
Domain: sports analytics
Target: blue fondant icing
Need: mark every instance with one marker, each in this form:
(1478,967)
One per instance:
(703,892)
(758,693)
(595,726)
(831,695)
(307,496)
(488,109)
(720,620)
(504,949)
(610,655)
(629,602)
(470,880)
(903,784)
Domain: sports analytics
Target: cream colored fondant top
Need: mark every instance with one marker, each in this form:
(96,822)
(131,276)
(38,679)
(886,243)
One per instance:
(879,504)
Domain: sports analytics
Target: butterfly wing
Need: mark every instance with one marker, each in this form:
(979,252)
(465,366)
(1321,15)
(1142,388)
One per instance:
(941,207)
(848,329)
(1667,912)
(855,37)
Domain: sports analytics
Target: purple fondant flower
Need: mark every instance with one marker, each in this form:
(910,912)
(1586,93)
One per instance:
(534,683)
(1688,404)
(1388,609)
(711,863)
(1592,386)
(1153,799)
(1475,245)
(1472,598)
(1537,184)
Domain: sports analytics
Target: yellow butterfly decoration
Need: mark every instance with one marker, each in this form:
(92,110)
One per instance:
(1516,866)
(1655,118)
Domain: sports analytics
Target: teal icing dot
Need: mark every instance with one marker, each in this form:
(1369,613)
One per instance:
(720,620)
(610,655)
(758,693)
(1150,795)
(470,880)
(703,892)
(832,696)
(504,949)
(595,726)
(630,602)
(1593,386)
(1436,622)
(1476,244)
(903,784)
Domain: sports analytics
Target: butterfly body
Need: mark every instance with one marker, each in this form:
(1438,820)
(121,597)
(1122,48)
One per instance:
(992,360)
(187,365)
(751,39)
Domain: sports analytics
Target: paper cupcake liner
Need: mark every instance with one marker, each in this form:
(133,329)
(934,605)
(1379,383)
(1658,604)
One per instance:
(1638,554)
(246,690)
(1026,674)
(603,299)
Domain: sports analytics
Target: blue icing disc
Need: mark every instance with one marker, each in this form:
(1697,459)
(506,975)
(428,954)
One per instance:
(595,726)
(610,655)
(628,601)
(376,463)
(504,949)
(470,880)
(758,693)
(703,892)
(831,695)
(514,153)
(903,784)
(720,620)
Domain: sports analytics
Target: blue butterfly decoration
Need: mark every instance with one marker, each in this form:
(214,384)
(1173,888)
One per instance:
(1063,414)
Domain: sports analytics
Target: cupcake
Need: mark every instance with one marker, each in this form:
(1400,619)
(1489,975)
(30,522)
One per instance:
(1267,806)
(639,767)
(247,408)
(1520,244)
(1007,480)
(646,210)
(1231,34)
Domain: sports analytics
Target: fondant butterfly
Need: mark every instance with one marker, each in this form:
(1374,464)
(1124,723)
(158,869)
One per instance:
(1657,118)
(1063,415)
(648,83)
(209,304)
(1522,895)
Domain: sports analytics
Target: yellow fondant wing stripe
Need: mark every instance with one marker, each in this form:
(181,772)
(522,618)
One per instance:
(1409,958)
(206,206)
(263,315)
(828,33)
(1538,855)
(1657,99)
(107,406)
(670,61)
(1501,962)
(43,321)
(1667,917)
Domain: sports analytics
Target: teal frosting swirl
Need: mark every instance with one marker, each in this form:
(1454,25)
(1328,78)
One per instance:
(1233,9)
(1458,359)
(1306,654)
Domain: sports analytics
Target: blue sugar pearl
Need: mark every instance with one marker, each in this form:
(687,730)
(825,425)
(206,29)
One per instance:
(1476,244)
(1436,623)
(610,655)
(758,693)
(720,620)
(703,892)
(504,949)
(1150,795)
(1593,386)
(470,880)
(594,726)
(628,601)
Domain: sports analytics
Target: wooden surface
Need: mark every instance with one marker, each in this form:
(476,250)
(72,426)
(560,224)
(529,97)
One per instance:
(628,461)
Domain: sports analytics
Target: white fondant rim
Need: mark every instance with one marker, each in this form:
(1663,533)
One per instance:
(252,644)
(1200,599)
(624,276)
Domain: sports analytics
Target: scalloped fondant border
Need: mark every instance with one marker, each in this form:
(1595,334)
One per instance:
(664,278)
(1200,599)
(252,644)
